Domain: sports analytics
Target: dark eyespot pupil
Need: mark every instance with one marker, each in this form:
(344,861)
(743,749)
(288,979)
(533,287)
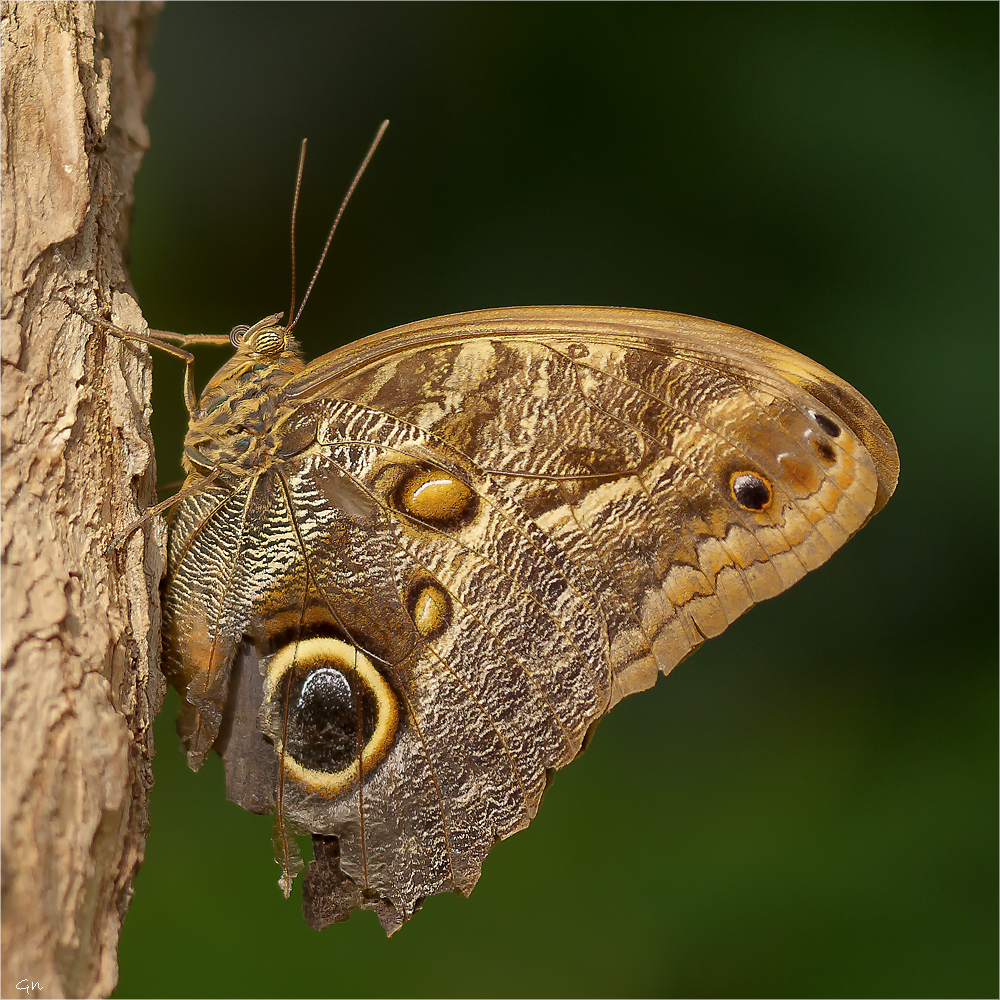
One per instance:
(323,719)
(826,424)
(325,699)
(751,492)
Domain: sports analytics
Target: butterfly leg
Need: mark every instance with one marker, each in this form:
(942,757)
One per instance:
(160,339)
(151,512)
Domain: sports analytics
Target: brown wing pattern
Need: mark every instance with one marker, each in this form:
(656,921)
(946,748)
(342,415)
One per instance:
(479,533)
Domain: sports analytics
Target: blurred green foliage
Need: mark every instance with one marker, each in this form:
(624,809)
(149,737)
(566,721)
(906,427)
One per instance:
(808,806)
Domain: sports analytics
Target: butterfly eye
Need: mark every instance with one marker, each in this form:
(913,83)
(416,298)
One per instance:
(269,341)
(266,337)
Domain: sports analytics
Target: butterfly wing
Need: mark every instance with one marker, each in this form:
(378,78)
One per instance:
(478,534)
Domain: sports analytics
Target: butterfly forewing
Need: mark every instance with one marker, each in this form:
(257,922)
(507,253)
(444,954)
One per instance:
(475,535)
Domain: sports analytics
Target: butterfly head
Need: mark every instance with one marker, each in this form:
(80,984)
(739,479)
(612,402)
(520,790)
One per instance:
(266,340)
(266,352)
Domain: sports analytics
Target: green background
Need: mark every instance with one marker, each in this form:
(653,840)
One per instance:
(808,806)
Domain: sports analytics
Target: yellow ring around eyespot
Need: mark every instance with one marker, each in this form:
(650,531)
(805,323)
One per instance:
(350,660)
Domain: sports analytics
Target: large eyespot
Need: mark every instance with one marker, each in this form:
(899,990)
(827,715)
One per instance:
(341,714)
(750,490)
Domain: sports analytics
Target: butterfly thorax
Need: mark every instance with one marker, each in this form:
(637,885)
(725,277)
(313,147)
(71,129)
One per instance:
(232,429)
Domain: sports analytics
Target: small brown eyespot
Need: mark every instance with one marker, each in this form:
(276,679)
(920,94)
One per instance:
(750,490)
(822,448)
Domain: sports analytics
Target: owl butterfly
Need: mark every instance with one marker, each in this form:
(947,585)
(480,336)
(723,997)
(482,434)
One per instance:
(407,579)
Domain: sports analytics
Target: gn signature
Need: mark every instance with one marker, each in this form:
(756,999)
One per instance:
(28,986)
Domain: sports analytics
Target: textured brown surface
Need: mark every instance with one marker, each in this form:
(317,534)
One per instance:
(80,646)
(514,519)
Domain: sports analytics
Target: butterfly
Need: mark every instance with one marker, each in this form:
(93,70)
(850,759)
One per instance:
(407,579)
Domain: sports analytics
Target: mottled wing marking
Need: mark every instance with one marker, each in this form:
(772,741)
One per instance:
(697,400)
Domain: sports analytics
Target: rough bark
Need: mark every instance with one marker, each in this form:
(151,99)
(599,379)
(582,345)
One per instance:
(80,626)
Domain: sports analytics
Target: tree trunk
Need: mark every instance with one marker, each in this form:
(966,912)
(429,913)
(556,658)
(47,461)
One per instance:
(80,625)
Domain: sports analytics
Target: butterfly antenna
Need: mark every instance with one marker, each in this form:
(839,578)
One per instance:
(295,212)
(343,205)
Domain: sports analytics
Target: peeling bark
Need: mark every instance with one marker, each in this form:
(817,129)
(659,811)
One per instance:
(80,626)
